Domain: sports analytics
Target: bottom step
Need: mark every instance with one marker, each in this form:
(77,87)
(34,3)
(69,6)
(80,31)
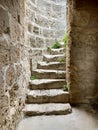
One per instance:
(47,109)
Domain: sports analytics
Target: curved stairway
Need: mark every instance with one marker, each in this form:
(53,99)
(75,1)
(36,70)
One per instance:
(45,94)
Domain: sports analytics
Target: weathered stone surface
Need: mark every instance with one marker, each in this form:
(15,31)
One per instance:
(48,74)
(47,109)
(49,42)
(4,21)
(23,24)
(14,63)
(48,33)
(4,110)
(14,53)
(10,76)
(47,96)
(40,42)
(33,1)
(37,42)
(82,50)
(56,51)
(4,53)
(36,54)
(36,30)
(47,84)
(52,65)
(54,58)
(44,19)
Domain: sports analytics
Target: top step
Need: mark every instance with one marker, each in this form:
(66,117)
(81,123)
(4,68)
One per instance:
(56,51)
(54,58)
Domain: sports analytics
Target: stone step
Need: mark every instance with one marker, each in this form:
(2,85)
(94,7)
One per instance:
(54,58)
(47,96)
(52,65)
(56,51)
(47,109)
(48,74)
(46,84)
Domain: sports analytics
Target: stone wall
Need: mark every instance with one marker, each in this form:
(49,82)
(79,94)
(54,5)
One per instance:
(14,62)
(46,23)
(82,50)
(26,29)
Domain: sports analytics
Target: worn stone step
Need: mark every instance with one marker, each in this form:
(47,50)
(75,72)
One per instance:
(46,84)
(47,109)
(52,65)
(47,96)
(58,51)
(48,74)
(54,58)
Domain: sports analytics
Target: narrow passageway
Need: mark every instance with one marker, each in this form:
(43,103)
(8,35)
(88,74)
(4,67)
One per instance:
(48,64)
(46,93)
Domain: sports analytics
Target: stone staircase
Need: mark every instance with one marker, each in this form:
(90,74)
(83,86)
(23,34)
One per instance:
(45,94)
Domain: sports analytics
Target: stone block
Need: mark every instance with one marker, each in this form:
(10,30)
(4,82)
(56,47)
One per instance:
(1,82)
(22,5)
(81,17)
(29,27)
(4,53)
(39,43)
(13,7)
(30,14)
(48,33)
(33,29)
(10,75)
(36,30)
(4,21)
(59,34)
(18,69)
(44,6)
(41,21)
(56,8)
(31,6)
(35,52)
(49,42)
(36,42)
(4,109)
(14,53)
(32,40)
(16,31)
(53,23)
(24,53)
(14,63)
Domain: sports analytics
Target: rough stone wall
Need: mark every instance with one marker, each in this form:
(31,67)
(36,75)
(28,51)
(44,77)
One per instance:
(46,22)
(14,62)
(82,50)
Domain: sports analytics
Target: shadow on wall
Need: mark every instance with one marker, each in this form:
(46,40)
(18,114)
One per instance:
(82,51)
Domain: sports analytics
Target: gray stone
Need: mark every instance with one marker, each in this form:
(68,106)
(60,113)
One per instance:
(48,74)
(54,58)
(47,109)
(47,84)
(47,96)
(58,51)
(52,65)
